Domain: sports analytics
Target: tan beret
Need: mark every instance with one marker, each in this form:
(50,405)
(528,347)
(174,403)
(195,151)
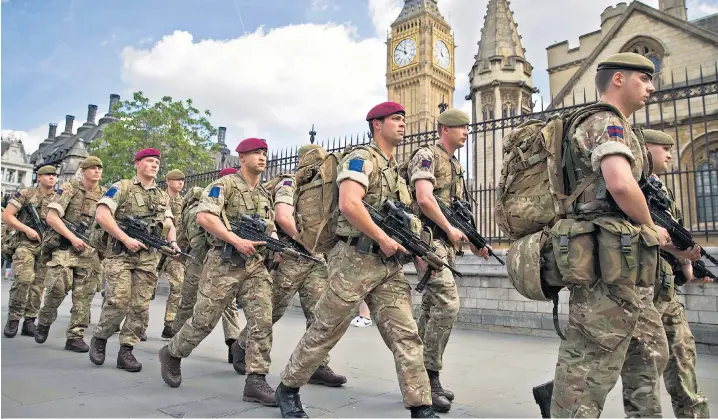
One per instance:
(627,61)
(453,118)
(90,161)
(657,137)
(175,174)
(47,170)
(307,147)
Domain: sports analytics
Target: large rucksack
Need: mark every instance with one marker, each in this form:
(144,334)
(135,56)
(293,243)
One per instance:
(189,230)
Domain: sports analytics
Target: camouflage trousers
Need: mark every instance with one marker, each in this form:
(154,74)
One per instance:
(296,275)
(174,269)
(29,265)
(222,282)
(612,330)
(190,285)
(439,309)
(70,271)
(130,280)
(680,373)
(354,277)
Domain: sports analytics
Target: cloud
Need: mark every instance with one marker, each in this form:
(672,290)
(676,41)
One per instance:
(700,8)
(320,5)
(383,13)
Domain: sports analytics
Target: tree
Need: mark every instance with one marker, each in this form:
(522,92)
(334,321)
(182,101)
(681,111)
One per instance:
(178,130)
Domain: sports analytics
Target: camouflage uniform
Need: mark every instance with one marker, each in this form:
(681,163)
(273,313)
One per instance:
(379,281)
(174,269)
(70,269)
(612,318)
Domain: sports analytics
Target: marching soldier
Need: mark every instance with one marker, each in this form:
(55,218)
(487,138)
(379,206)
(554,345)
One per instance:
(222,280)
(307,277)
(192,239)
(131,272)
(369,173)
(75,265)
(434,173)
(29,262)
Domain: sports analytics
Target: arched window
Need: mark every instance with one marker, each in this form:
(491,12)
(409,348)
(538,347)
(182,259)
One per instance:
(508,110)
(488,112)
(649,48)
(707,190)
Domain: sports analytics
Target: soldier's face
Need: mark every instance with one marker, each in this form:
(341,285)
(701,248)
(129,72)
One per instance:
(47,181)
(255,160)
(392,128)
(148,166)
(661,157)
(640,87)
(93,174)
(456,136)
(175,184)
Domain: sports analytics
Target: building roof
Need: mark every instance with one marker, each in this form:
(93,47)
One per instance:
(709,23)
(416,7)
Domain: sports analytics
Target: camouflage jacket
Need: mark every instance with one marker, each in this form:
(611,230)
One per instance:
(31,196)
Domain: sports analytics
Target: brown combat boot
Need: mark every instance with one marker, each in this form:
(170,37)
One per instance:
(75,345)
(28,327)
(434,379)
(97,350)
(238,358)
(127,361)
(439,402)
(326,377)
(170,368)
(41,333)
(257,390)
(11,328)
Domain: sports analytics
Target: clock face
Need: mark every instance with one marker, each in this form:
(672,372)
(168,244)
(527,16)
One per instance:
(441,54)
(404,52)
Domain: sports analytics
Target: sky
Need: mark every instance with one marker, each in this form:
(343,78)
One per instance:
(264,68)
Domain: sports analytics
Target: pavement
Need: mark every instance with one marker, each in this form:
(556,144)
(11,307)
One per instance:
(491,373)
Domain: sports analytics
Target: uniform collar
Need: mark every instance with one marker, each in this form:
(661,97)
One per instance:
(381,152)
(136,181)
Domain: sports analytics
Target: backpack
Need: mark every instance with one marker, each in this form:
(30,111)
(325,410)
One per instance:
(189,229)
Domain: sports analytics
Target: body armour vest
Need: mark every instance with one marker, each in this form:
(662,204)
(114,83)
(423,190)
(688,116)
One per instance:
(149,205)
(449,176)
(83,203)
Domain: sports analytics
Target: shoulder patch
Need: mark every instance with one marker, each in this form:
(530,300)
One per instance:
(356,165)
(111,192)
(17,194)
(426,164)
(615,131)
(214,192)
(287,183)
(60,191)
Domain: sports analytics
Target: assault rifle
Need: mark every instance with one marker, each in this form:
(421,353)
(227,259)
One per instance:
(253,228)
(396,223)
(37,223)
(459,216)
(139,230)
(79,229)
(699,268)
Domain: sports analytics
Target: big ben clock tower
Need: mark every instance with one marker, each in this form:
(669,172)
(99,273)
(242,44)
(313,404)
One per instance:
(420,63)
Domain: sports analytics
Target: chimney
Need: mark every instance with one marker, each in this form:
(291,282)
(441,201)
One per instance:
(52,132)
(110,116)
(221,134)
(68,124)
(675,8)
(91,113)
(114,100)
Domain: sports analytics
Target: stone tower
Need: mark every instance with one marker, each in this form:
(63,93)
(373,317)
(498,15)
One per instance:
(420,63)
(500,77)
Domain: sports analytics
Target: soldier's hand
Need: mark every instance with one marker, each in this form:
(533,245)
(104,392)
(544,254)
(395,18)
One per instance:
(701,280)
(482,253)
(663,236)
(32,235)
(133,245)
(247,247)
(278,258)
(423,266)
(78,244)
(389,247)
(456,237)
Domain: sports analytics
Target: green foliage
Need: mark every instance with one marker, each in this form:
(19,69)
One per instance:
(178,130)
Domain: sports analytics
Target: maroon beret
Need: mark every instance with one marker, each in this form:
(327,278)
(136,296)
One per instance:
(384,109)
(147,152)
(227,171)
(251,144)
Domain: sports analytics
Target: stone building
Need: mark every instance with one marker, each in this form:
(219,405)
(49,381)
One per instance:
(16,172)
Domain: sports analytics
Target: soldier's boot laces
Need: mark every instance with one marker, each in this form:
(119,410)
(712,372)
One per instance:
(238,358)
(75,344)
(542,396)
(229,343)
(41,333)
(97,350)
(127,361)
(290,406)
(447,393)
(11,328)
(170,367)
(423,412)
(326,377)
(257,390)
(28,327)
(167,332)
(439,402)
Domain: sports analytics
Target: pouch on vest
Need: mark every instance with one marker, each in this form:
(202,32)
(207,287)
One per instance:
(649,258)
(532,268)
(618,251)
(10,242)
(574,248)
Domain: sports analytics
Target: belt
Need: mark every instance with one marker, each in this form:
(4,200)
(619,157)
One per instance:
(353,241)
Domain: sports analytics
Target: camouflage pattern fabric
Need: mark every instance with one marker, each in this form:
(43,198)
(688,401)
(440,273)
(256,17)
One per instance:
(175,271)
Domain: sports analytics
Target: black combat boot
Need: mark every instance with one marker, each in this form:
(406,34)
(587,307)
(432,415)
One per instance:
(97,350)
(229,343)
(11,328)
(41,333)
(542,396)
(76,345)
(290,406)
(170,367)
(326,377)
(167,332)
(238,358)
(423,412)
(439,402)
(127,361)
(257,390)
(28,327)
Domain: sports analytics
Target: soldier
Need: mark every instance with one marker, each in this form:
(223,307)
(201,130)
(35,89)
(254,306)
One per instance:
(612,319)
(131,273)
(173,268)
(307,277)
(434,173)
(29,261)
(192,239)
(369,173)
(222,280)
(75,265)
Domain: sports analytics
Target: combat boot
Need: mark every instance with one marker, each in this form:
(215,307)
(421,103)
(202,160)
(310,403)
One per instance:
(439,402)
(97,350)
(257,390)
(290,406)
(542,396)
(28,327)
(11,328)
(74,344)
(229,343)
(238,359)
(423,412)
(126,360)
(41,333)
(167,332)
(435,383)
(170,367)
(326,377)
